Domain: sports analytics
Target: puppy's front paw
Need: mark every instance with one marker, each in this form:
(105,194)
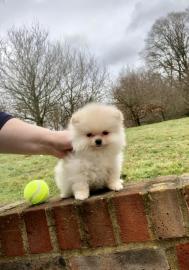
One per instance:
(81,195)
(117,185)
(64,196)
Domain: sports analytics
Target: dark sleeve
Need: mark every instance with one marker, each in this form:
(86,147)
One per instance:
(4,117)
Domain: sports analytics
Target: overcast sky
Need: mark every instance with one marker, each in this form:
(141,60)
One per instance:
(113,30)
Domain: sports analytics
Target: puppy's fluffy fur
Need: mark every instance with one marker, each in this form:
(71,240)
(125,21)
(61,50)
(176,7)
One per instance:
(98,139)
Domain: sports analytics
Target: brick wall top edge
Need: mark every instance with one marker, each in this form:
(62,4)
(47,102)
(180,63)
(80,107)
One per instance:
(157,184)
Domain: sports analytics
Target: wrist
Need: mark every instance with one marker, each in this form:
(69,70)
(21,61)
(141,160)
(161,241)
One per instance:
(46,142)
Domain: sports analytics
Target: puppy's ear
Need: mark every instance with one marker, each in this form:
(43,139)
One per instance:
(119,115)
(75,119)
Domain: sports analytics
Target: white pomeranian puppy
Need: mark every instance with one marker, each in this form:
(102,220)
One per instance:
(98,139)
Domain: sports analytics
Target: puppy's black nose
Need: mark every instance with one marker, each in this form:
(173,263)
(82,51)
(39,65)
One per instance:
(98,142)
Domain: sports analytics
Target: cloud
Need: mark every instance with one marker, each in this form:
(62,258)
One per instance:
(114,30)
(146,12)
(122,52)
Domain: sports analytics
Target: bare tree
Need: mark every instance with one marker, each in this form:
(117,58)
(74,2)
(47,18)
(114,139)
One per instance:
(48,81)
(83,80)
(3,105)
(183,87)
(167,45)
(141,95)
(30,71)
(127,94)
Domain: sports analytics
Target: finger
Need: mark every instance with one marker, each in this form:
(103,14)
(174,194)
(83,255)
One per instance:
(61,154)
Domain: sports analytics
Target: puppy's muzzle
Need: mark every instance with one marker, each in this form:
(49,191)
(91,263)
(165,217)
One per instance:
(98,142)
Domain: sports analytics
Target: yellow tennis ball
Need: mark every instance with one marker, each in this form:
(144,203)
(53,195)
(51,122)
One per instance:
(36,191)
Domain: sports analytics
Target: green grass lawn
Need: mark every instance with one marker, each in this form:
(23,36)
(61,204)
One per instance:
(153,150)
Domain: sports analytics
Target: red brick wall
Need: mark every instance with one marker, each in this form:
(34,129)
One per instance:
(145,226)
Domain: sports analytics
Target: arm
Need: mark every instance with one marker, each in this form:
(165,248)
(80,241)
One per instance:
(19,137)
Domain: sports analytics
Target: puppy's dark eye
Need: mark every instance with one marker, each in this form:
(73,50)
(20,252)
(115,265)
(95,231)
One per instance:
(89,135)
(105,132)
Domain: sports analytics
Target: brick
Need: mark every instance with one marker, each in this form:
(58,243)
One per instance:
(186,195)
(97,223)
(67,227)
(37,231)
(184,180)
(144,259)
(48,263)
(11,206)
(10,235)
(183,256)
(166,214)
(131,217)
(134,188)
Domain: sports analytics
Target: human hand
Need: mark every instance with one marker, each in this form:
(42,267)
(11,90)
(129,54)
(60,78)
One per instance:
(19,137)
(59,143)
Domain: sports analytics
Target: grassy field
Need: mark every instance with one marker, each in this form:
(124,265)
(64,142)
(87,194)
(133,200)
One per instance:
(153,150)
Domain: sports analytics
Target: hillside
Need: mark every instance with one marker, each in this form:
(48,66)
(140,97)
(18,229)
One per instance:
(157,149)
